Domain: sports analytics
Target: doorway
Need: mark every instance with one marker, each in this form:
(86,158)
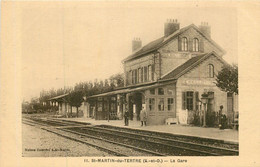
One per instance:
(136,99)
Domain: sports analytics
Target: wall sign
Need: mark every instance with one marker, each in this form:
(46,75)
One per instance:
(198,82)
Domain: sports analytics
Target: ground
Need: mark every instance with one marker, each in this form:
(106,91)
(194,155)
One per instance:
(40,143)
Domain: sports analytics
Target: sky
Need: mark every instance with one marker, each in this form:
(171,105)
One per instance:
(66,43)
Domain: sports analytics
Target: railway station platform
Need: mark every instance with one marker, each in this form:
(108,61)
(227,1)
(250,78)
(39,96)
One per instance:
(227,135)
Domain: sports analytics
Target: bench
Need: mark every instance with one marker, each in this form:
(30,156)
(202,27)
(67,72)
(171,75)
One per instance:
(170,121)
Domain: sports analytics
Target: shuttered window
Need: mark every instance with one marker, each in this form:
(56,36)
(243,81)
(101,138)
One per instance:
(189,100)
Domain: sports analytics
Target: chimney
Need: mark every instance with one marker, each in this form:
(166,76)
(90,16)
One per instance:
(136,44)
(171,26)
(205,29)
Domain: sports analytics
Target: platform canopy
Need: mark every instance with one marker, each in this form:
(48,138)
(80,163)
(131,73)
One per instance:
(58,98)
(132,89)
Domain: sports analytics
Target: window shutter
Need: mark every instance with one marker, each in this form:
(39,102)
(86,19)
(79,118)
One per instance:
(201,45)
(184,106)
(190,45)
(179,43)
(195,99)
(197,96)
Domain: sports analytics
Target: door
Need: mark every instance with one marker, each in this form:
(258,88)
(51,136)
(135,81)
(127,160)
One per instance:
(230,112)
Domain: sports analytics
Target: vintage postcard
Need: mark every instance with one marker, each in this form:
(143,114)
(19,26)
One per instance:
(150,83)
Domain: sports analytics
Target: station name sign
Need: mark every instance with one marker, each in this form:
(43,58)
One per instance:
(198,82)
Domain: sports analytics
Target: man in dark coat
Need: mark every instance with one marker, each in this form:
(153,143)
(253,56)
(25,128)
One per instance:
(126,117)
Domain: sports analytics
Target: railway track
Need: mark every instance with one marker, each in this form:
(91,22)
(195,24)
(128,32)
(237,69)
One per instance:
(151,144)
(111,147)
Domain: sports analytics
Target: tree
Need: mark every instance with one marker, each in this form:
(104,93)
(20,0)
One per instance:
(117,80)
(227,79)
(75,99)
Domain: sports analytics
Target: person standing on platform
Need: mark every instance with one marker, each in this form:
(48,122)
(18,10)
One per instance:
(126,117)
(143,116)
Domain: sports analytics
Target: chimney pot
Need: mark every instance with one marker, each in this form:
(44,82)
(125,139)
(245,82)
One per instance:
(171,26)
(136,44)
(205,29)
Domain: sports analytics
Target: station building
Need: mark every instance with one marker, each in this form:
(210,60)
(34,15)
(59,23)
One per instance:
(168,77)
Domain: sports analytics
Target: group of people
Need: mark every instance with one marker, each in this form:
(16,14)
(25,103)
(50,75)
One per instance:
(143,117)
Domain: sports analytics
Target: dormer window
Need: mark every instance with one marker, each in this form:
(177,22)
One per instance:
(195,45)
(184,44)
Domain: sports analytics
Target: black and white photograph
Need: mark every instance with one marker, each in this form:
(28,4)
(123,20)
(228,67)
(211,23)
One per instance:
(136,83)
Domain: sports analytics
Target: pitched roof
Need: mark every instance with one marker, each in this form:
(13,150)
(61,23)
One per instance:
(188,65)
(156,44)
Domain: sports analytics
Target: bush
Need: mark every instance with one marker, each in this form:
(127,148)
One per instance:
(196,120)
(211,119)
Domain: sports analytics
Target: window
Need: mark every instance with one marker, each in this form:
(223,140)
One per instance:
(129,77)
(190,100)
(195,45)
(139,75)
(145,74)
(150,73)
(184,44)
(160,91)
(211,71)
(187,100)
(151,104)
(170,104)
(161,104)
(133,76)
(152,91)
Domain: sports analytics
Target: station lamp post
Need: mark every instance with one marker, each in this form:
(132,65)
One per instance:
(204,100)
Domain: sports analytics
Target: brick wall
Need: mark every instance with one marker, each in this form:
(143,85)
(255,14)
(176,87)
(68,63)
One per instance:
(172,57)
(138,63)
(197,80)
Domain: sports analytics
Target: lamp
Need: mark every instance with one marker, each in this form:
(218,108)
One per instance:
(204,100)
